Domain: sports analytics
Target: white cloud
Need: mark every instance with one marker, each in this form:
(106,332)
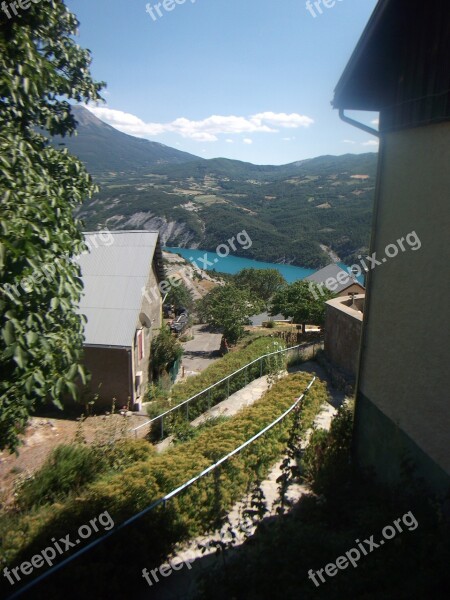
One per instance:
(348,142)
(282,120)
(248,141)
(371,143)
(375,122)
(229,141)
(205,130)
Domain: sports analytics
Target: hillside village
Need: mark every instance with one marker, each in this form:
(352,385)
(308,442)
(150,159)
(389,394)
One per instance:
(207,429)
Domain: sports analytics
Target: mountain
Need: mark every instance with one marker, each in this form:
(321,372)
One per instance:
(301,213)
(105,149)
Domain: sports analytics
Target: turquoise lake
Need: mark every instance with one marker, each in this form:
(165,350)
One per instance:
(234,264)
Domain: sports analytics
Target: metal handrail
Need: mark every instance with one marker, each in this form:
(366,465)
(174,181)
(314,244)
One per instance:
(160,501)
(162,415)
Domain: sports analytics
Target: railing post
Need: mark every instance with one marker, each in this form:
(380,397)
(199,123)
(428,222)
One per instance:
(228,387)
(261,367)
(245,371)
(162,428)
(209,399)
(187,410)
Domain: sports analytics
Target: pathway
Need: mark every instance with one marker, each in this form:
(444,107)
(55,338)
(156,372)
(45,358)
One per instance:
(199,352)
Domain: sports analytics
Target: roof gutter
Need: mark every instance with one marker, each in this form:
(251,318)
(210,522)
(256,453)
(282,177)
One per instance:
(357,124)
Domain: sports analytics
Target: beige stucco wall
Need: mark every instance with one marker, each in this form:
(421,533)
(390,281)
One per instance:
(149,321)
(343,333)
(406,324)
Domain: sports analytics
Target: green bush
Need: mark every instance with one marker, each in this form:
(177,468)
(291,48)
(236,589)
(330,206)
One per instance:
(68,468)
(198,509)
(277,560)
(219,370)
(325,463)
(165,350)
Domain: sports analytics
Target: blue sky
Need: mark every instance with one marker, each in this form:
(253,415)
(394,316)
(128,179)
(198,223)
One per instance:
(244,79)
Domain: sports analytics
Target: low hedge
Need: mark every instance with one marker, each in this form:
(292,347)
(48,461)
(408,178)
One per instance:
(198,509)
(218,370)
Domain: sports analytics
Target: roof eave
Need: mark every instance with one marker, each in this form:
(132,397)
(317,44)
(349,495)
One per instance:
(342,98)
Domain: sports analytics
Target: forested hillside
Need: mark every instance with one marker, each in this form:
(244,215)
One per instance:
(294,213)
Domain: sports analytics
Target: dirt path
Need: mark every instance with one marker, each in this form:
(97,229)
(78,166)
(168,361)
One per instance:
(200,352)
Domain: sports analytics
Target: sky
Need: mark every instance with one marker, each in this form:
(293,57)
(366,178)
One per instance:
(251,80)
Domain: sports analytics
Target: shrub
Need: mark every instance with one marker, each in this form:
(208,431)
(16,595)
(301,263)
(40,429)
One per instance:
(198,509)
(214,373)
(165,351)
(68,468)
(219,370)
(325,463)
(277,560)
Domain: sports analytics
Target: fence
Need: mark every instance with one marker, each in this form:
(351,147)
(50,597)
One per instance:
(221,390)
(163,500)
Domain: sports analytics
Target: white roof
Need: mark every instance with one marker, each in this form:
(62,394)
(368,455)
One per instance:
(114,272)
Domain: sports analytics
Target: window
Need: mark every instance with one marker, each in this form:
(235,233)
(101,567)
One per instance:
(138,383)
(140,344)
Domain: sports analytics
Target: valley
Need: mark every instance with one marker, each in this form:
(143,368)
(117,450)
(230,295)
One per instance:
(302,213)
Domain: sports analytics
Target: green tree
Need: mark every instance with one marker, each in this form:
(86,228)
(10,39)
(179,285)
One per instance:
(303,304)
(262,282)
(228,308)
(179,295)
(165,350)
(41,68)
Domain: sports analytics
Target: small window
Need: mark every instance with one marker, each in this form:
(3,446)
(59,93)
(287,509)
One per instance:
(140,344)
(138,383)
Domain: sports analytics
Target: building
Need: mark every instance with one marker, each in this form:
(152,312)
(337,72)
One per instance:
(336,280)
(401,68)
(343,327)
(122,304)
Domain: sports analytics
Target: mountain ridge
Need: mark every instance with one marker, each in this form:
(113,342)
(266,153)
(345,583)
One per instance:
(103,149)
(298,213)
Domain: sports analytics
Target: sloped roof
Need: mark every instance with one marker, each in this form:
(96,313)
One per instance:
(258,320)
(401,62)
(114,272)
(332,270)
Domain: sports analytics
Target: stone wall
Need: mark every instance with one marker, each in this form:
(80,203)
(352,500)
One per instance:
(343,324)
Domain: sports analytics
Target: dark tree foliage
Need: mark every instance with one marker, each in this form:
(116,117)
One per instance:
(165,350)
(305,304)
(228,308)
(262,282)
(180,296)
(41,68)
